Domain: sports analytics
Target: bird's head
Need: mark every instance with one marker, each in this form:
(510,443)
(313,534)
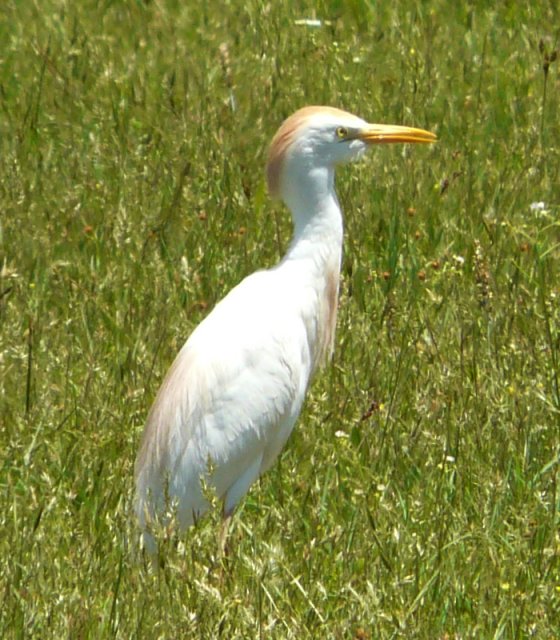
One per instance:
(323,137)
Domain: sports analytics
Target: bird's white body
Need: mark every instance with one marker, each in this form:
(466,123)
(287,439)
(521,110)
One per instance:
(231,398)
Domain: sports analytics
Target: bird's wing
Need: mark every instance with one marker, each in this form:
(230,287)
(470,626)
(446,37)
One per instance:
(229,400)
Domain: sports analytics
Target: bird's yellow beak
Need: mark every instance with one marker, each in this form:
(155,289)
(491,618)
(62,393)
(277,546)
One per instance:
(380,133)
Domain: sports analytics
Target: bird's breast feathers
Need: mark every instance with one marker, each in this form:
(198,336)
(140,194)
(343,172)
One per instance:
(238,382)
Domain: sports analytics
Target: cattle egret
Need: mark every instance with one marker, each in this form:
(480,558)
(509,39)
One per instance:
(232,396)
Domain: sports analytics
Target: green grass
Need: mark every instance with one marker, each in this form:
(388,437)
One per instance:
(418,496)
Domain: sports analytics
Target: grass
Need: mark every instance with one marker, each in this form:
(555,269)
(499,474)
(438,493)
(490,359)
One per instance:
(418,496)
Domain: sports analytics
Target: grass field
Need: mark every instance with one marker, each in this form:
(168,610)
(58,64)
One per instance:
(419,495)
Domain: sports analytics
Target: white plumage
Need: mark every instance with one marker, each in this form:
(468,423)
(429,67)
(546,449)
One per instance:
(231,398)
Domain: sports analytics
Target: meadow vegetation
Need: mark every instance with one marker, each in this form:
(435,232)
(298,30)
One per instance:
(418,496)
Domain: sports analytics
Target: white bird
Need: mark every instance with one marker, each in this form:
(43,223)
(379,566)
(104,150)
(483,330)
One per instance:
(233,394)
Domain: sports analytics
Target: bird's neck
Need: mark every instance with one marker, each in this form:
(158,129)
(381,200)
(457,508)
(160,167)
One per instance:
(315,252)
(316,215)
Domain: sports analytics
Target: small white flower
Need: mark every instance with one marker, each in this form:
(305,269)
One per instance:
(537,206)
(307,22)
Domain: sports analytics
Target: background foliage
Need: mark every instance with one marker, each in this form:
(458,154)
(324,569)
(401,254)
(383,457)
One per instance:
(418,497)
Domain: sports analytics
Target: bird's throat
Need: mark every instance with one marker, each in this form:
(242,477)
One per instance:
(317,249)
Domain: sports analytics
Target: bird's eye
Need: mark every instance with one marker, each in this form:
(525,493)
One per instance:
(341,133)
